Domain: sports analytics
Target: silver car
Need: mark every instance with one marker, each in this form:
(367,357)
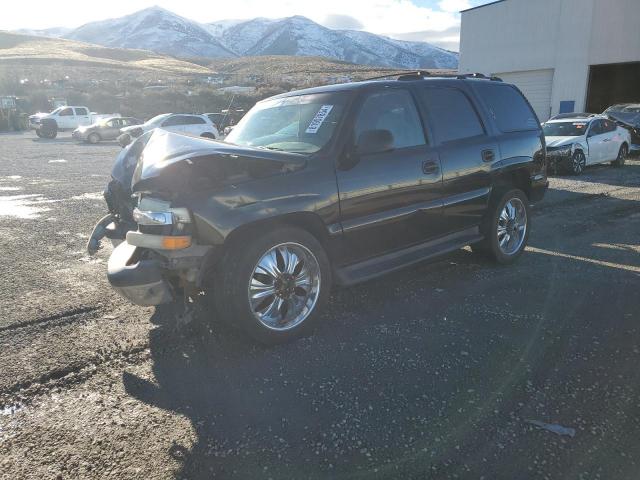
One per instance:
(106,129)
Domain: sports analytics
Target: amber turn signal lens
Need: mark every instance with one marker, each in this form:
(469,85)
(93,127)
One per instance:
(176,243)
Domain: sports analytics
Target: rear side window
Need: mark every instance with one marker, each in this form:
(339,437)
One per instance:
(508,107)
(451,115)
(81,111)
(392,110)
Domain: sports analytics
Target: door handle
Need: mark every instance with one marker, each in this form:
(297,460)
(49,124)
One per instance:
(430,167)
(606,140)
(488,156)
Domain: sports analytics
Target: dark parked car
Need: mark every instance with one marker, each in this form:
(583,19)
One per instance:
(628,116)
(107,129)
(330,185)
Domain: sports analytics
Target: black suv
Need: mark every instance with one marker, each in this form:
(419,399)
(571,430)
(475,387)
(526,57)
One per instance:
(325,186)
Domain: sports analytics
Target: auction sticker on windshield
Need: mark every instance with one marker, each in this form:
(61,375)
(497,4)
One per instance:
(319,119)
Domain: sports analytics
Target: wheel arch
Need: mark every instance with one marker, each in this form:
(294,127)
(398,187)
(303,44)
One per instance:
(308,221)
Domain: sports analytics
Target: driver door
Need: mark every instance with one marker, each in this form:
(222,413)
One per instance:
(597,143)
(389,199)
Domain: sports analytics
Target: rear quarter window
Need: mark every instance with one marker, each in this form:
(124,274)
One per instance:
(508,107)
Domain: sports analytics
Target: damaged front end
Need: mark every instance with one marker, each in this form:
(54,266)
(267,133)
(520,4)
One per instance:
(169,248)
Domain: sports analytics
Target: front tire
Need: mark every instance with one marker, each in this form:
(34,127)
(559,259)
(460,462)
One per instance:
(506,228)
(577,163)
(93,138)
(622,157)
(273,284)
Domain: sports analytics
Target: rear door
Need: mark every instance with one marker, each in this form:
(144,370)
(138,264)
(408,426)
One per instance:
(612,139)
(194,125)
(82,116)
(111,129)
(466,152)
(390,199)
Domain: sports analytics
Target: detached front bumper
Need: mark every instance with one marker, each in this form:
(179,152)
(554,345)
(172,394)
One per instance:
(141,281)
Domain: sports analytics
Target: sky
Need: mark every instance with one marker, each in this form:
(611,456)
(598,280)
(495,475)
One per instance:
(435,21)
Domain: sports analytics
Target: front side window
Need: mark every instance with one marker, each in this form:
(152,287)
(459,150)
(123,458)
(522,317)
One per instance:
(188,120)
(451,115)
(395,111)
(298,124)
(508,107)
(173,121)
(67,112)
(596,128)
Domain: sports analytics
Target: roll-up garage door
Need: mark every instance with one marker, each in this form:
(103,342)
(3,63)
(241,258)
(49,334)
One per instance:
(536,86)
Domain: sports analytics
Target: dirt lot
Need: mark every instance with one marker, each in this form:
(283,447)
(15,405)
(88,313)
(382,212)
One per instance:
(432,372)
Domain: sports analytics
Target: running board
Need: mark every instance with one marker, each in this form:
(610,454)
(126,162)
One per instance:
(389,262)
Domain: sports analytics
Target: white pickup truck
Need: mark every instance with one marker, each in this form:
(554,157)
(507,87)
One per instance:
(48,125)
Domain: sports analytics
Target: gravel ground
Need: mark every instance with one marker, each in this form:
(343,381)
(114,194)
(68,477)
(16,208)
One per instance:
(433,372)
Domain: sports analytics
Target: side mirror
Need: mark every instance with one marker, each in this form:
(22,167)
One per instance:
(374,141)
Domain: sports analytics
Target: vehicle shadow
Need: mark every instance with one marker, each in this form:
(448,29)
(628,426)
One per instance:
(402,376)
(628,175)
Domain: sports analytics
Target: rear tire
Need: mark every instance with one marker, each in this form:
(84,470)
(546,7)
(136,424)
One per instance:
(38,133)
(622,157)
(506,228)
(273,285)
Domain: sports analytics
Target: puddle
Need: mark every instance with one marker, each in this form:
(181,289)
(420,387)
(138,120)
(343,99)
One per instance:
(23,206)
(59,160)
(12,177)
(89,196)
(10,189)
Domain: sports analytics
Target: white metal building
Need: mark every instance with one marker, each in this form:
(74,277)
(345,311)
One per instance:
(565,55)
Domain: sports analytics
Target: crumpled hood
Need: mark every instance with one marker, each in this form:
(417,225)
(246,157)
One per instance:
(175,162)
(562,141)
(629,118)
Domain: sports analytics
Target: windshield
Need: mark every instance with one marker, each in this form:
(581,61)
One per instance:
(301,124)
(565,129)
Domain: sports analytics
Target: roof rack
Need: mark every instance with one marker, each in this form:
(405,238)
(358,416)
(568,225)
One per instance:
(420,74)
(478,75)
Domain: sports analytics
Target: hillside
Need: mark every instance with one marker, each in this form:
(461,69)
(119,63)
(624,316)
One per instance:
(32,53)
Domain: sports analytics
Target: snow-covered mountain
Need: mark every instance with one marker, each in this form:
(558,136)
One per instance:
(154,29)
(300,36)
(162,31)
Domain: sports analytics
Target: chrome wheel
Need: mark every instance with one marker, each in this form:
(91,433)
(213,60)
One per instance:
(284,286)
(578,162)
(512,226)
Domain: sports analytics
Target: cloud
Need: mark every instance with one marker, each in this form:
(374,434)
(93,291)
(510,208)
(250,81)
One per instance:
(342,22)
(375,16)
(454,6)
(448,38)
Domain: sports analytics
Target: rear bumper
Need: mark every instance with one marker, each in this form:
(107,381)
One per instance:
(142,282)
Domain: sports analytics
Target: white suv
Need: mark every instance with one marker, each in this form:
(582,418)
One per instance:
(185,123)
(573,142)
